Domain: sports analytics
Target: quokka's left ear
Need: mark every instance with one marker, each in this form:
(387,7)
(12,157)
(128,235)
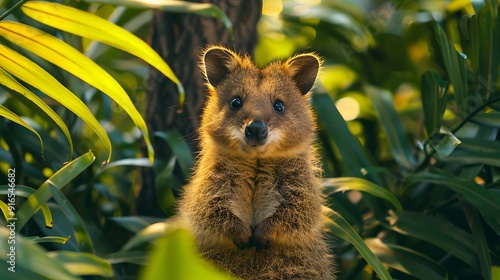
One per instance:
(303,69)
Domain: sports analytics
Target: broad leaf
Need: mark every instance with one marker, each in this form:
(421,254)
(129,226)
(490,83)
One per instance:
(174,255)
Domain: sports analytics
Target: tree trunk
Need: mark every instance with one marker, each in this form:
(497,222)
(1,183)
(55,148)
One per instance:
(179,39)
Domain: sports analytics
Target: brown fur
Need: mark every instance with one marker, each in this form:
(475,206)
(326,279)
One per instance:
(254,206)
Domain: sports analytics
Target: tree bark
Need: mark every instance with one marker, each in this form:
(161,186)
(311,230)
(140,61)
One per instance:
(179,39)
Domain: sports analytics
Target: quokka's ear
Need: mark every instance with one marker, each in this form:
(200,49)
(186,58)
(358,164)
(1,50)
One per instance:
(217,63)
(303,69)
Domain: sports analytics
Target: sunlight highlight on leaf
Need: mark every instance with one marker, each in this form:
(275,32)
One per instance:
(71,60)
(8,114)
(90,26)
(28,71)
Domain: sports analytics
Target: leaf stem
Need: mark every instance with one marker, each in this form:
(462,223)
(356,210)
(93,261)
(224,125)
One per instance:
(11,9)
(457,128)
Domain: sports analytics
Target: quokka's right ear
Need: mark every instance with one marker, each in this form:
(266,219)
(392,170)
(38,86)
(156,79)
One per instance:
(217,63)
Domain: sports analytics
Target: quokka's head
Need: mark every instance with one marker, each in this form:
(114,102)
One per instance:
(258,113)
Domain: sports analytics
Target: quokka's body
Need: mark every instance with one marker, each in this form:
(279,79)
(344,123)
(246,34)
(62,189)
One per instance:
(254,201)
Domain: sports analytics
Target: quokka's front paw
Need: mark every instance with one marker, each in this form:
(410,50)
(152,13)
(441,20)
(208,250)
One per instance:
(241,235)
(261,238)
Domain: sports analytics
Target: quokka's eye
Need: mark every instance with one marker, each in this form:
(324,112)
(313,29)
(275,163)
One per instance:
(236,103)
(278,106)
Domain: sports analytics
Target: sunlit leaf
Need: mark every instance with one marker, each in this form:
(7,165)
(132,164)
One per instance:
(406,260)
(204,9)
(8,81)
(25,191)
(59,179)
(342,229)
(31,73)
(81,233)
(174,255)
(80,263)
(8,114)
(351,183)
(71,60)
(390,122)
(437,232)
(96,28)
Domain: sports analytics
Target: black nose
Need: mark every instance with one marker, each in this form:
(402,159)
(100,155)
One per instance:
(256,130)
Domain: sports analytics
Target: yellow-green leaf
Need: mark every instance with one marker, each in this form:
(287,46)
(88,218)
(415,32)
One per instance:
(31,73)
(93,27)
(14,85)
(68,58)
(8,114)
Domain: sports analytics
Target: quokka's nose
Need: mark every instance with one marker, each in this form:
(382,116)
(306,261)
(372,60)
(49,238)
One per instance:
(256,130)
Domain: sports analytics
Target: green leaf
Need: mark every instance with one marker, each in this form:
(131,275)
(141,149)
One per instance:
(91,26)
(146,236)
(351,183)
(59,179)
(25,191)
(135,223)
(135,257)
(482,249)
(29,257)
(490,119)
(390,122)
(204,9)
(31,73)
(139,162)
(68,58)
(80,263)
(81,233)
(489,59)
(486,201)
(406,260)
(180,148)
(8,114)
(341,228)
(8,81)
(434,91)
(437,231)
(332,123)
(446,145)
(455,66)
(174,255)
(49,239)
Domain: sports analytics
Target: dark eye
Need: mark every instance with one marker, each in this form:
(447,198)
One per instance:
(236,103)
(278,106)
